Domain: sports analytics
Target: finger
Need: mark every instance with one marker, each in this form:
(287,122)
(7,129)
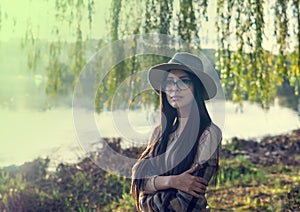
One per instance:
(199,188)
(195,194)
(199,191)
(202,181)
(192,169)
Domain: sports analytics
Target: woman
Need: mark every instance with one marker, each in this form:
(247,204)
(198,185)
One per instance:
(174,170)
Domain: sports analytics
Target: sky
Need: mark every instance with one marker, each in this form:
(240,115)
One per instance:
(17,15)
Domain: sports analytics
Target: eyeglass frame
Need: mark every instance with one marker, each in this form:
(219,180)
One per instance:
(164,86)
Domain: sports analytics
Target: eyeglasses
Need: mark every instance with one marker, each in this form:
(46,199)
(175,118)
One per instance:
(183,84)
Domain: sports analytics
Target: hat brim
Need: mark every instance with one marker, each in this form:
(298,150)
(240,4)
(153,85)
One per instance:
(157,74)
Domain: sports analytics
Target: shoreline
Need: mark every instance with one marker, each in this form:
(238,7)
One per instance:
(80,155)
(117,143)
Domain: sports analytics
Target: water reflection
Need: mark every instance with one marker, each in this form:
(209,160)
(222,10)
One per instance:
(27,134)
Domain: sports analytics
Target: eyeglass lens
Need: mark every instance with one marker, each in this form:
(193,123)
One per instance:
(181,84)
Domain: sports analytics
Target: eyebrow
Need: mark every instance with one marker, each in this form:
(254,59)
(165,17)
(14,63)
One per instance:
(181,77)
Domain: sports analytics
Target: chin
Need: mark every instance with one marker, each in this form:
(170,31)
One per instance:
(174,105)
(178,106)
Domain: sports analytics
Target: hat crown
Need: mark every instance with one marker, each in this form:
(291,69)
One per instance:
(188,60)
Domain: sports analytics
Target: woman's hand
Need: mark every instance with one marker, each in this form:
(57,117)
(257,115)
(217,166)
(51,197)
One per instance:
(188,183)
(184,182)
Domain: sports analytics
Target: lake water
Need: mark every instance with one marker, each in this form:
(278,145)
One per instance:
(28,134)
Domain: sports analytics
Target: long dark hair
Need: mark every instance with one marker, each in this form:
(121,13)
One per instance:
(153,160)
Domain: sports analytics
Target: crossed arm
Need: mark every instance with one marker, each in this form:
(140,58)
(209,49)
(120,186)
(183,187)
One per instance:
(184,192)
(194,185)
(185,181)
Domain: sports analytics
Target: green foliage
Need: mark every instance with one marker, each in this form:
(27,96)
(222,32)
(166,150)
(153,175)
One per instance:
(295,56)
(126,203)
(123,88)
(116,8)
(33,46)
(248,71)
(281,33)
(54,70)
(240,172)
(158,16)
(85,187)
(187,28)
(79,187)
(252,71)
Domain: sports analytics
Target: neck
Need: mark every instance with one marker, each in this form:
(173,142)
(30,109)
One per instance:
(184,112)
(182,123)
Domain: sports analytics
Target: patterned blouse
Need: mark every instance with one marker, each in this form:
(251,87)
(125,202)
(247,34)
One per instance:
(175,200)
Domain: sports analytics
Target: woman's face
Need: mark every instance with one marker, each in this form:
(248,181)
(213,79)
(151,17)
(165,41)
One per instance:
(179,89)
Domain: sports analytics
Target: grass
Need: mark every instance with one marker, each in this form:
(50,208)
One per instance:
(256,188)
(243,184)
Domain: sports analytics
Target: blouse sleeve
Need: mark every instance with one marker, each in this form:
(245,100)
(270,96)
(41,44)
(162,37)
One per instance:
(155,134)
(148,185)
(209,144)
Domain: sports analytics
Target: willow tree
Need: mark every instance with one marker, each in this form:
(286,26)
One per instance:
(247,69)
(253,73)
(295,72)
(65,53)
(119,72)
(151,16)
(129,17)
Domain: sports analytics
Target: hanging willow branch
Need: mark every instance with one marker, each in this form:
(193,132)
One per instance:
(265,75)
(261,77)
(224,13)
(251,76)
(63,74)
(77,54)
(116,8)
(90,7)
(281,31)
(158,16)
(238,69)
(219,22)
(295,66)
(187,28)
(247,70)
(165,16)
(33,44)
(54,70)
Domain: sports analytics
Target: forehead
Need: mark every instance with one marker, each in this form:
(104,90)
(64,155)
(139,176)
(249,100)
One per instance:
(177,73)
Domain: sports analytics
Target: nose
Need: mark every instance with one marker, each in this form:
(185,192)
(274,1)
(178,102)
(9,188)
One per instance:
(174,86)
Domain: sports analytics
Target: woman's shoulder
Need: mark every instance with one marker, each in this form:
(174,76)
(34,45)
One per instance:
(213,131)
(213,128)
(155,132)
(210,140)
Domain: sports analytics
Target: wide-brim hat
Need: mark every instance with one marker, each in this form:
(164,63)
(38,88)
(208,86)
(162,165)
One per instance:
(186,62)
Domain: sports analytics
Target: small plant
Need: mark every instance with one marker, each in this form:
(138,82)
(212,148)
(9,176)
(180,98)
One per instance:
(239,171)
